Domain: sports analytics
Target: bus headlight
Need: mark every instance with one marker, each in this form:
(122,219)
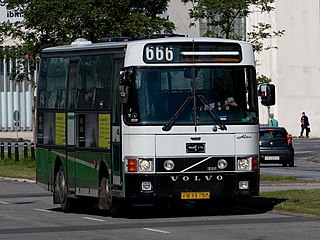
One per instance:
(222,164)
(145,165)
(243,164)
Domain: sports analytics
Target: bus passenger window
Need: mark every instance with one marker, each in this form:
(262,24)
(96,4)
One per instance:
(102,82)
(86,82)
(56,82)
(87,130)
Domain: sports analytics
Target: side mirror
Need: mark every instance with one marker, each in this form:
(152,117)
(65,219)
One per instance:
(267,92)
(123,93)
(124,85)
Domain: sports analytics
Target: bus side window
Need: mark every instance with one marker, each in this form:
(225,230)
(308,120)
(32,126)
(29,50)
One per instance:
(87,130)
(86,82)
(56,83)
(85,99)
(102,83)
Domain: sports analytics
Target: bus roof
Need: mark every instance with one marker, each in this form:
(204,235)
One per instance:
(87,45)
(136,52)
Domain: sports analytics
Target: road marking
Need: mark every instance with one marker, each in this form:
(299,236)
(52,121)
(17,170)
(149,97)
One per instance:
(155,230)
(94,219)
(43,210)
(3,202)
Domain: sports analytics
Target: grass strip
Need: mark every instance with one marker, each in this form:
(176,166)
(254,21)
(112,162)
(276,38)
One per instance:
(24,168)
(294,201)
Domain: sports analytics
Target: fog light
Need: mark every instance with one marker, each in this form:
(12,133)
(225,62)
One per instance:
(222,164)
(146,186)
(168,165)
(243,185)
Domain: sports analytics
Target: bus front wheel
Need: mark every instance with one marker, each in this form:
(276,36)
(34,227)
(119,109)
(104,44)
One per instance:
(60,191)
(104,195)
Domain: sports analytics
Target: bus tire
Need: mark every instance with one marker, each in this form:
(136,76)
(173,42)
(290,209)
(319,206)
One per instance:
(60,191)
(115,208)
(104,194)
(119,208)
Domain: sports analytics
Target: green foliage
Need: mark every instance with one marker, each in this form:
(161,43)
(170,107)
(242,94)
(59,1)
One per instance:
(263,79)
(58,22)
(262,32)
(221,16)
(278,178)
(294,201)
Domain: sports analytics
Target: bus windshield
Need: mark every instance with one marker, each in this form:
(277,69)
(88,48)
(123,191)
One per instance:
(189,95)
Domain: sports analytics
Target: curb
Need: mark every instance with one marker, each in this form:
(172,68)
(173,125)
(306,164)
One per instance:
(19,179)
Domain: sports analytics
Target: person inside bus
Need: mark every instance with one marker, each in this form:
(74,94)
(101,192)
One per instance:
(220,100)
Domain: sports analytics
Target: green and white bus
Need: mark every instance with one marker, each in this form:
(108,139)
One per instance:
(164,120)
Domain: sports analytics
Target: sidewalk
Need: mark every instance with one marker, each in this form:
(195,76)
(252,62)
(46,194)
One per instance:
(12,136)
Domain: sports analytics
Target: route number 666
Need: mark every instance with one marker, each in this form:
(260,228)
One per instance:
(159,53)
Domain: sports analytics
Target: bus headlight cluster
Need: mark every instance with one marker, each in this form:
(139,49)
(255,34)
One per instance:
(139,165)
(222,164)
(243,164)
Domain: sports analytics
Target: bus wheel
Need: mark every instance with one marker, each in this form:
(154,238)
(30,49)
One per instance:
(104,195)
(60,191)
(119,208)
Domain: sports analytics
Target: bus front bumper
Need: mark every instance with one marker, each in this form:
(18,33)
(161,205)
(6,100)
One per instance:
(175,185)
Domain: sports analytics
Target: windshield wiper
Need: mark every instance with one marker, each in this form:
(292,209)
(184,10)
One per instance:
(212,114)
(169,124)
(214,117)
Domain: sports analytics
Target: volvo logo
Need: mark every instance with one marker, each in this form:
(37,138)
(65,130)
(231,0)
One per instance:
(195,178)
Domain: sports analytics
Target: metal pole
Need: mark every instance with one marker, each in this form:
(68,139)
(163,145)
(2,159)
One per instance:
(16,152)
(32,152)
(2,150)
(25,150)
(9,151)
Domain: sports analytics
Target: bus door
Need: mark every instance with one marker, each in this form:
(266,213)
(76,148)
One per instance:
(71,123)
(116,130)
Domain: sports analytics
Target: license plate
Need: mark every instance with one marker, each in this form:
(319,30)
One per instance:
(271,158)
(195,195)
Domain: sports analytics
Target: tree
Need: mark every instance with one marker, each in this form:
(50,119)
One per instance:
(222,15)
(57,22)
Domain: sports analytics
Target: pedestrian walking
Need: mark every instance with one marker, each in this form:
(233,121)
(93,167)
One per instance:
(272,121)
(305,125)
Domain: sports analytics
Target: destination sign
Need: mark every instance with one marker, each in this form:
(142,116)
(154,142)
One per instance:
(192,52)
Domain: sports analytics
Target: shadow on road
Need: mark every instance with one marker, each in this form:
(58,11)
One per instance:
(243,206)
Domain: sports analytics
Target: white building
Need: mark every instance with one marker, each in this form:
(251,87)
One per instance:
(294,67)
(13,96)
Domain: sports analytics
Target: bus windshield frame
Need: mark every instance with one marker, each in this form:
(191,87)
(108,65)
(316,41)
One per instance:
(200,95)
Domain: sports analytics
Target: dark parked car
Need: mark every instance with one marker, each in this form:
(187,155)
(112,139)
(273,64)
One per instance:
(276,146)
